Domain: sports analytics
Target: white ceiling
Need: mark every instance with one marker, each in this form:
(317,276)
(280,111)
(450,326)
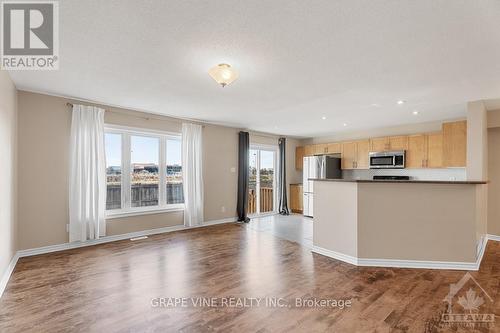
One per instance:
(298,60)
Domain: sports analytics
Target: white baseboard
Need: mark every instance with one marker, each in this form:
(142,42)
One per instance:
(8,272)
(114,238)
(107,239)
(395,263)
(494,238)
(336,255)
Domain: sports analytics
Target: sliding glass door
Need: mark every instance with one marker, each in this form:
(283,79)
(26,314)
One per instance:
(262,180)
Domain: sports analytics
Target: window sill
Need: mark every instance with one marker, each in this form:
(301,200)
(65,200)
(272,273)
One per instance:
(137,212)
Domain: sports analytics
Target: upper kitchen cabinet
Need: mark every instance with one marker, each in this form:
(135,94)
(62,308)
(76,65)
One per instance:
(379,144)
(363,150)
(334,148)
(455,144)
(320,149)
(355,154)
(389,143)
(435,150)
(425,151)
(299,157)
(417,151)
(398,143)
(309,150)
(349,151)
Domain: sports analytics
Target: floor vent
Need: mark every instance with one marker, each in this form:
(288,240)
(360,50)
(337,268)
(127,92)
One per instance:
(138,238)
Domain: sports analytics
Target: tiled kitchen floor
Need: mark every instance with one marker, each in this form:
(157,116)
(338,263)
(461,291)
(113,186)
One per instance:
(295,227)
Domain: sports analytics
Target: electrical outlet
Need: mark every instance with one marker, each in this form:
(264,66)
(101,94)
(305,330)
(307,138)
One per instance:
(233,170)
(223,209)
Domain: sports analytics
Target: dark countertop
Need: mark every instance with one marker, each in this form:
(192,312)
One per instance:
(472,182)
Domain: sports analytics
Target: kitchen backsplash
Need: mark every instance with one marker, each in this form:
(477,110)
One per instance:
(417,174)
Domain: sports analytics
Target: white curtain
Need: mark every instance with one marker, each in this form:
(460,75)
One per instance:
(87,182)
(192,174)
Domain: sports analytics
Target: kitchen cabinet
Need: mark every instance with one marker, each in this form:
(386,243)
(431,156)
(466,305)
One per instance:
(334,148)
(320,149)
(355,154)
(398,142)
(416,154)
(309,150)
(425,151)
(348,155)
(455,144)
(435,150)
(296,198)
(389,143)
(299,157)
(362,152)
(379,144)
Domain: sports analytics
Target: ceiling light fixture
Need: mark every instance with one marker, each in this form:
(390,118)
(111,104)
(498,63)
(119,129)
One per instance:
(415,112)
(223,74)
(345,124)
(324,118)
(401,102)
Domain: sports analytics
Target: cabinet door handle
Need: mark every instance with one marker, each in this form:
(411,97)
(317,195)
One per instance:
(423,161)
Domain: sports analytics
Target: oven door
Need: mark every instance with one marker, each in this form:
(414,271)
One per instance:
(382,161)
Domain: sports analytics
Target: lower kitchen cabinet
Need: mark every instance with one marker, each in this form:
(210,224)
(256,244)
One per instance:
(296,200)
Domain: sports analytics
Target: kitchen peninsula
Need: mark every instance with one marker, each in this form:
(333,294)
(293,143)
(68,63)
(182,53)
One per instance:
(427,224)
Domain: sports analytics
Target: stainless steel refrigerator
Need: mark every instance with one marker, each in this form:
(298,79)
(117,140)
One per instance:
(326,167)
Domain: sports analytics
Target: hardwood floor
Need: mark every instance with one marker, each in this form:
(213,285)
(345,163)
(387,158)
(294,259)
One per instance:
(110,287)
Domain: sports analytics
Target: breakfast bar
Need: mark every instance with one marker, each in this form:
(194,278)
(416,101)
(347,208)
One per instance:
(428,224)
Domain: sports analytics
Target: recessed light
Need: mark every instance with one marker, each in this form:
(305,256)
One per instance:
(401,102)
(324,118)
(415,112)
(345,124)
(375,105)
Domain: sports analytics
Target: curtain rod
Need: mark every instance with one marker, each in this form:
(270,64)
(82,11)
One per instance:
(146,118)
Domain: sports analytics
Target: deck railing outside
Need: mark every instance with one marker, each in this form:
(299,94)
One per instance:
(266,200)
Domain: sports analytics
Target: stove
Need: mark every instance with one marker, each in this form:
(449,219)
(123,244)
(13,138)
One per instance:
(391,177)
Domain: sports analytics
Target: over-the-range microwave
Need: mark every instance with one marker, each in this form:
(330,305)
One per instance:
(387,160)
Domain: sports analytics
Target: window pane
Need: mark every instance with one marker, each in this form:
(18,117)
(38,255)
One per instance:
(113,147)
(174,172)
(144,170)
(266,174)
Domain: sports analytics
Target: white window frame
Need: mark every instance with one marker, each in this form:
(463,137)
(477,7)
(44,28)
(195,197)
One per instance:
(126,207)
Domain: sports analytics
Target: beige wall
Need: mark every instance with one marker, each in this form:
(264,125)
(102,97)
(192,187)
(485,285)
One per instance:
(430,222)
(336,216)
(401,221)
(494,178)
(44,129)
(8,120)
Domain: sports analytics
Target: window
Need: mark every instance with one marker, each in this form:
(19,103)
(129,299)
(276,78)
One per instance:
(113,149)
(175,192)
(144,155)
(134,175)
